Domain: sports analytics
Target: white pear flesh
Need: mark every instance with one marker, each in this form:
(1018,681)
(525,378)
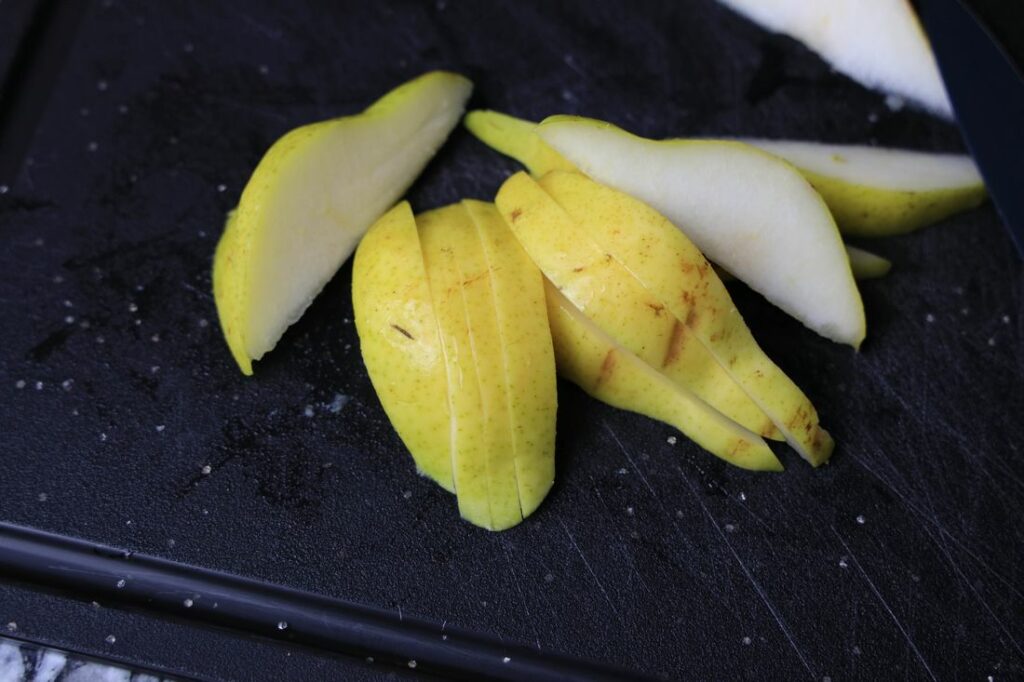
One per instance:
(313,196)
(878,43)
(873,191)
(746,210)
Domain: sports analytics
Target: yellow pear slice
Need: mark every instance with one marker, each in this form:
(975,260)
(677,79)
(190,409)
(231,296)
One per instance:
(609,294)
(879,43)
(749,211)
(399,340)
(867,265)
(668,265)
(608,371)
(874,192)
(516,138)
(527,357)
(311,198)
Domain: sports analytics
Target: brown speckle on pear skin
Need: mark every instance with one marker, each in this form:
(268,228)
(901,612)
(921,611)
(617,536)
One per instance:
(607,367)
(404,332)
(515,214)
(580,268)
(675,344)
(657,308)
(691,316)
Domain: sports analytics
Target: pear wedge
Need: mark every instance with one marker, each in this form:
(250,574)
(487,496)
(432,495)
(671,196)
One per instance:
(608,371)
(400,342)
(589,216)
(749,211)
(875,192)
(311,198)
(867,265)
(517,138)
(879,43)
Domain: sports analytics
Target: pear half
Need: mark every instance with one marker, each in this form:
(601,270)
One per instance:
(747,210)
(311,198)
(879,43)
(590,216)
(875,192)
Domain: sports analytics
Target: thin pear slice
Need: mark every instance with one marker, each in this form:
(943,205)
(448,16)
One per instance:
(668,265)
(866,265)
(517,138)
(467,428)
(879,43)
(528,362)
(607,293)
(592,360)
(876,192)
(311,198)
(399,340)
(750,212)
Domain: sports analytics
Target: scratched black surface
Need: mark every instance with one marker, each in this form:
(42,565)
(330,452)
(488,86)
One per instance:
(902,558)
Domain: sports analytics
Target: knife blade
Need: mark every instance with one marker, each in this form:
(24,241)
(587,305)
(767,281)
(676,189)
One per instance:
(987,92)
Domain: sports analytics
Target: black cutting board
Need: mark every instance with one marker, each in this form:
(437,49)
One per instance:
(900,559)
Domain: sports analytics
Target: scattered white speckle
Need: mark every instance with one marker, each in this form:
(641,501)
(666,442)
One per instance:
(84,324)
(94,604)
(171,543)
(894,103)
(67,384)
(282,625)
(308,411)
(958,291)
(679,513)
(100,339)
(965,311)
(103,438)
(1006,319)
(345,320)
(929,318)
(122,108)
(629,510)
(4,189)
(155,338)
(412,663)
(743,497)
(548,578)
(42,497)
(84,111)
(69,319)
(133,308)
(338,403)
(68,304)
(915,577)
(12,626)
(671,440)
(826,678)
(407,494)
(110,639)
(154,369)
(121,583)
(264,69)
(188,47)
(160,428)
(203,323)
(842,562)
(622,471)
(39,241)
(506,660)
(58,279)
(872,117)
(92,146)
(188,603)
(369,659)
(129,522)
(746,641)
(202,234)
(102,85)
(20,383)
(39,385)
(856,651)
(348,346)
(730,528)
(441,4)
(992,341)
(205,471)
(138,323)
(206,512)
(860,519)
(221,187)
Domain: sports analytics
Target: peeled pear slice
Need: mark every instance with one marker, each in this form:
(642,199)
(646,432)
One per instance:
(399,340)
(595,362)
(311,198)
(660,257)
(879,43)
(747,210)
(867,265)
(876,192)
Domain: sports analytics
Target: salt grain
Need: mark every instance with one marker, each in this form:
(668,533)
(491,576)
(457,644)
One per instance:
(102,85)
(205,471)
(860,519)
(20,383)
(671,440)
(160,428)
(110,639)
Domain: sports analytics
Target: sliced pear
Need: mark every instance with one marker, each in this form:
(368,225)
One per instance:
(669,266)
(866,265)
(311,198)
(879,43)
(608,371)
(750,212)
(527,357)
(399,340)
(517,138)
(876,192)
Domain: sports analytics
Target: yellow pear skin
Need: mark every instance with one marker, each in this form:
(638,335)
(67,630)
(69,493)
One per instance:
(312,197)
(668,265)
(867,265)
(528,361)
(517,138)
(606,370)
(400,342)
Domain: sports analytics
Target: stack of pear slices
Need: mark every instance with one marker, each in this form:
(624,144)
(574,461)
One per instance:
(605,262)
